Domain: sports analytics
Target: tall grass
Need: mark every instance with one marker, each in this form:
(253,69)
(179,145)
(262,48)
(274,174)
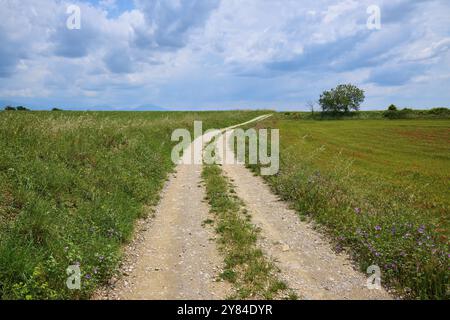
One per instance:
(72,186)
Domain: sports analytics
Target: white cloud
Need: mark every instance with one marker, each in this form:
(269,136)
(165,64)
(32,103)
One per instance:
(218,52)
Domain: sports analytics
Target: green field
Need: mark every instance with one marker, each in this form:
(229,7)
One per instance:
(72,184)
(380,188)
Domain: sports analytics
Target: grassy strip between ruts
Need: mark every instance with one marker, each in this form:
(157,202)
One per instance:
(251,273)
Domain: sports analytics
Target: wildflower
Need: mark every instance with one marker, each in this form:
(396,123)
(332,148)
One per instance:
(88,276)
(378,228)
(421,229)
(357,210)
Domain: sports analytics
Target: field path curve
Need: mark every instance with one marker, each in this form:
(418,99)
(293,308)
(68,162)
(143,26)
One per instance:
(305,258)
(174,256)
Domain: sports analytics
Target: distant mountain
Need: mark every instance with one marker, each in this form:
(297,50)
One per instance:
(115,108)
(4,103)
(149,108)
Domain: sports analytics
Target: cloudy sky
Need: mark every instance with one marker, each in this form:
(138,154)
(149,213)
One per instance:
(193,54)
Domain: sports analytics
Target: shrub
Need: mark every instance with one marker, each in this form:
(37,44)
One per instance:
(439,111)
(392,107)
(400,114)
(9,108)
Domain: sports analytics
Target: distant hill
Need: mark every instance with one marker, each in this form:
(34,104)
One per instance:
(149,108)
(4,103)
(115,108)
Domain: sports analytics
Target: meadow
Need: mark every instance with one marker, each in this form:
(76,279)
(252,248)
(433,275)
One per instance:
(72,185)
(379,188)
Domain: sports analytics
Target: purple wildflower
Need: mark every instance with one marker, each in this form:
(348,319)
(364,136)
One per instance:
(421,229)
(357,210)
(88,276)
(378,228)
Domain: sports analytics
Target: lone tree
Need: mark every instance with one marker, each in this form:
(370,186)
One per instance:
(344,98)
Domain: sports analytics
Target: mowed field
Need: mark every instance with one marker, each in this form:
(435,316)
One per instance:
(380,188)
(72,184)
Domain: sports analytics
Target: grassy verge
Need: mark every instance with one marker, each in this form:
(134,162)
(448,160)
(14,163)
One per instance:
(379,189)
(72,184)
(252,274)
(406,113)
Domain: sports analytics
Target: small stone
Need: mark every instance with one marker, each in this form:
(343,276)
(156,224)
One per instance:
(286,248)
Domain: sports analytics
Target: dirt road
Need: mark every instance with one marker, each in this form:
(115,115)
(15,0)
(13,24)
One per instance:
(175,256)
(308,264)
